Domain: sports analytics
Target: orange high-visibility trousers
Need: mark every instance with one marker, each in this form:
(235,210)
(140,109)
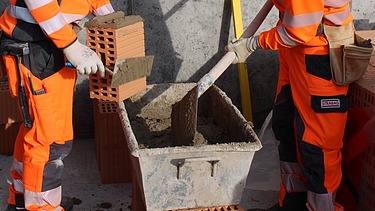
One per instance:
(37,165)
(309,118)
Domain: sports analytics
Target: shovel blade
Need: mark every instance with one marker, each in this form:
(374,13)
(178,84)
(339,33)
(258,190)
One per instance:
(184,119)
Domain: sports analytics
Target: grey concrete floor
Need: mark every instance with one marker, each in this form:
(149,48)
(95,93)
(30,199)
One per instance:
(81,179)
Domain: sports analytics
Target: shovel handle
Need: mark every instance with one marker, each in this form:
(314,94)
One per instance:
(208,79)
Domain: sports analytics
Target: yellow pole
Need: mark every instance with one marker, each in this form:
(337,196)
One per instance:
(242,70)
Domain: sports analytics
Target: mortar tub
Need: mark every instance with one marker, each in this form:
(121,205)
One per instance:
(208,174)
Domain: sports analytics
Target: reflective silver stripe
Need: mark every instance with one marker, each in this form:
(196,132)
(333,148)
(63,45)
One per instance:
(53,24)
(23,13)
(18,185)
(293,183)
(339,17)
(17,168)
(291,168)
(335,3)
(297,21)
(285,37)
(20,13)
(32,4)
(50,197)
(70,18)
(104,10)
(321,201)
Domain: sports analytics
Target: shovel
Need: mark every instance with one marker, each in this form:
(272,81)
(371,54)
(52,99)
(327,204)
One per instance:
(184,112)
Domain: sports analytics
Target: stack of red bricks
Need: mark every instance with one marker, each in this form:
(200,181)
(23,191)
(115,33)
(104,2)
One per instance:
(117,38)
(10,120)
(111,148)
(111,42)
(359,170)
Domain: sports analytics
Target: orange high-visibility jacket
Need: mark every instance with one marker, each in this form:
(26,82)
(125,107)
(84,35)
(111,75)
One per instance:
(48,17)
(300,20)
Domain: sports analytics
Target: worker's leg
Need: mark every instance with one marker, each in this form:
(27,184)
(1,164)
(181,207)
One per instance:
(39,150)
(321,112)
(16,188)
(39,160)
(43,167)
(293,184)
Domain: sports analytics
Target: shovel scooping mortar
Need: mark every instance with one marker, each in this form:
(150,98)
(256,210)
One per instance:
(184,112)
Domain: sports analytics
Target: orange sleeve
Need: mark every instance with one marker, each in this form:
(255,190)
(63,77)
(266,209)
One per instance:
(97,4)
(298,24)
(52,22)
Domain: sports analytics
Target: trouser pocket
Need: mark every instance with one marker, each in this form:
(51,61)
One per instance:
(49,127)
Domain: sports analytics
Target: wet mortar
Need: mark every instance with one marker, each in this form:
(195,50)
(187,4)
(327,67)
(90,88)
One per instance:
(150,118)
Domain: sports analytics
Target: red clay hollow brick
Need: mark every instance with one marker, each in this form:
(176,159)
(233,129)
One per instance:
(113,37)
(9,112)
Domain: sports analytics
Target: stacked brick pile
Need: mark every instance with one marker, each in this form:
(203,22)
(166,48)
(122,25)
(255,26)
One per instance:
(359,170)
(10,120)
(111,147)
(113,37)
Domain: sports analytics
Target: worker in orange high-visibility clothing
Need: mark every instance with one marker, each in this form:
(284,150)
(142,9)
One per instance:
(45,30)
(310,110)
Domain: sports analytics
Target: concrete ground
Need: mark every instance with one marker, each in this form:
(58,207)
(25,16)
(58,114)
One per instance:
(81,179)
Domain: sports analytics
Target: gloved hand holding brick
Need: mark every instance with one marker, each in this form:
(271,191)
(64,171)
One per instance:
(85,60)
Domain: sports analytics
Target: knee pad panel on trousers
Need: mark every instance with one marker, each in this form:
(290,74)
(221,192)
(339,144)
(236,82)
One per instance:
(313,162)
(53,169)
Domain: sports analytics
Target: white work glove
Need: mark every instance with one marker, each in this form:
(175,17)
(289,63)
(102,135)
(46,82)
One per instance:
(85,60)
(243,47)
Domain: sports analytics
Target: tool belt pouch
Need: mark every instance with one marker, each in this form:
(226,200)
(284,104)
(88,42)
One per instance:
(348,59)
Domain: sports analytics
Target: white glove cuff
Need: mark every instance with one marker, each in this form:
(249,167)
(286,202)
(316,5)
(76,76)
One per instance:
(252,44)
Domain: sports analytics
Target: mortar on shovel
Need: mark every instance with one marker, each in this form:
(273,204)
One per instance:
(184,112)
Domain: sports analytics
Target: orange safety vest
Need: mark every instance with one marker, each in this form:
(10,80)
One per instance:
(299,23)
(29,20)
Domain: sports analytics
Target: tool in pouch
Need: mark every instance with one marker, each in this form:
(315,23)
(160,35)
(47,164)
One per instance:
(349,53)
(18,50)
(41,91)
